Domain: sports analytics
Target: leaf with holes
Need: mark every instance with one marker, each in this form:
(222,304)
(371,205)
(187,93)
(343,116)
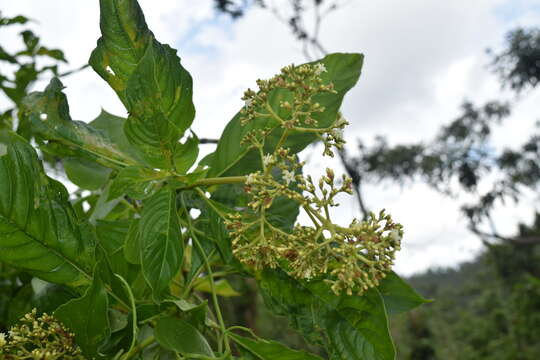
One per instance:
(149,80)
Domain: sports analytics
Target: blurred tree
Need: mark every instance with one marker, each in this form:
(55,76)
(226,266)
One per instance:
(304,18)
(486,309)
(462,152)
(24,70)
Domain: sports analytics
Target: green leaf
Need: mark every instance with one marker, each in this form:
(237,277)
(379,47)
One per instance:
(350,327)
(19,19)
(210,222)
(118,320)
(48,297)
(123,42)
(111,237)
(39,232)
(186,154)
(161,244)
(149,80)
(222,286)
(137,182)
(233,158)
(398,295)
(20,304)
(112,127)
(86,174)
(177,335)
(271,350)
(48,112)
(87,317)
(52,53)
(103,206)
(132,246)
(194,314)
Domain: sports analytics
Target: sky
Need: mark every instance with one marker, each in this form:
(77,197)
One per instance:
(422,59)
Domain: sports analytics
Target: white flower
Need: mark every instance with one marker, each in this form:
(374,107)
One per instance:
(267,159)
(288,176)
(307,274)
(337,133)
(319,69)
(250,179)
(395,236)
(2,339)
(248,102)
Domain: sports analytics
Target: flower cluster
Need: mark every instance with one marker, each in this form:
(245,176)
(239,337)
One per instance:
(351,259)
(39,337)
(290,101)
(296,105)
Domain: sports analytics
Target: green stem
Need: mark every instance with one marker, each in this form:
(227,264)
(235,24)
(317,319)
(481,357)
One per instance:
(206,200)
(319,217)
(212,284)
(283,138)
(214,181)
(148,341)
(299,129)
(273,114)
(133,311)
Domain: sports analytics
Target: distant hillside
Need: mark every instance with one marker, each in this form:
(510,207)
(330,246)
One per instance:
(486,309)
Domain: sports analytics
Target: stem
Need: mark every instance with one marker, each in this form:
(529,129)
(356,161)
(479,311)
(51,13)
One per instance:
(129,205)
(212,284)
(189,286)
(273,114)
(148,341)
(133,311)
(282,139)
(214,181)
(317,225)
(316,214)
(327,212)
(206,200)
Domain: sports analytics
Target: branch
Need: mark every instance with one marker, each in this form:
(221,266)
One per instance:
(208,141)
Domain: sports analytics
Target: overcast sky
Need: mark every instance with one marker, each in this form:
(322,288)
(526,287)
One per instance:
(423,58)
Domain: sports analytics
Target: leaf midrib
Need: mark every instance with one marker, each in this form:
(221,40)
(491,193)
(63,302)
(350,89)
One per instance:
(53,250)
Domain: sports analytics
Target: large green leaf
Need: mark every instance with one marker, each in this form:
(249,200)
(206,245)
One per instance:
(48,112)
(85,173)
(350,327)
(111,238)
(210,223)
(38,229)
(160,240)
(137,182)
(222,287)
(233,158)
(87,317)
(178,335)
(149,80)
(270,350)
(398,295)
(48,297)
(132,244)
(112,127)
